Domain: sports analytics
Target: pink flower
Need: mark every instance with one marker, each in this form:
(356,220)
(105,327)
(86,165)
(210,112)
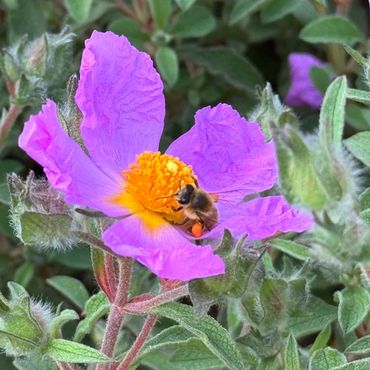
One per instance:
(302,90)
(121,97)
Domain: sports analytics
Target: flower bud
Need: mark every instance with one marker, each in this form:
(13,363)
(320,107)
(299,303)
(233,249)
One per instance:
(24,326)
(39,215)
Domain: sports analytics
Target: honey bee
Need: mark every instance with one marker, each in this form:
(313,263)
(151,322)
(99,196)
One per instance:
(198,207)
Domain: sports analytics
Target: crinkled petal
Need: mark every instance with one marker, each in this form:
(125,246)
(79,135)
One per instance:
(302,91)
(121,97)
(67,167)
(165,251)
(261,218)
(228,154)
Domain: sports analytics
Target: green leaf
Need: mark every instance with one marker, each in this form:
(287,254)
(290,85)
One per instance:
(331,29)
(360,96)
(322,339)
(161,10)
(291,248)
(321,78)
(237,70)
(355,55)
(194,355)
(96,307)
(58,321)
(131,29)
(291,354)
(332,114)
(168,64)
(208,330)
(197,21)
(358,117)
(313,317)
(355,365)
(360,346)
(79,10)
(72,352)
(24,273)
(298,176)
(276,9)
(359,146)
(71,288)
(185,4)
(242,8)
(326,359)
(364,199)
(34,362)
(354,304)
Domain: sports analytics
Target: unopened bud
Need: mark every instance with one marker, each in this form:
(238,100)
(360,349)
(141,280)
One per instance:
(39,215)
(24,327)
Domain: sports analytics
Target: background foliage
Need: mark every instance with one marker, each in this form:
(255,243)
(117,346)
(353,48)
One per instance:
(305,302)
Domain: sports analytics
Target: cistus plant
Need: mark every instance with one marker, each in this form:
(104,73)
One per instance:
(191,214)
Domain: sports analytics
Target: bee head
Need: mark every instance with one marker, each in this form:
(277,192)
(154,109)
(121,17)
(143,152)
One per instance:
(184,195)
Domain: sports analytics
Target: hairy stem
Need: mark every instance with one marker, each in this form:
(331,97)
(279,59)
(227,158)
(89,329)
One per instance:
(139,342)
(116,313)
(8,122)
(65,366)
(167,296)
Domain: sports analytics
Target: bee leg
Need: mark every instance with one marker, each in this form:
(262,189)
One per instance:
(177,209)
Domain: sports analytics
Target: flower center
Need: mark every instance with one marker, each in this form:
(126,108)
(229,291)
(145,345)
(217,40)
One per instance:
(151,185)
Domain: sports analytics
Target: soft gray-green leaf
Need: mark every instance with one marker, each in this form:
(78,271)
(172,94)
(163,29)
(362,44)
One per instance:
(79,9)
(58,321)
(359,146)
(96,307)
(185,4)
(360,346)
(326,359)
(161,10)
(360,96)
(332,114)
(225,62)
(208,330)
(354,304)
(331,29)
(322,339)
(291,354)
(242,8)
(71,288)
(195,22)
(168,64)
(291,248)
(276,9)
(355,365)
(68,351)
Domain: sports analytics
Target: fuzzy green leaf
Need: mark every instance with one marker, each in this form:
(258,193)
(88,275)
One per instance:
(197,21)
(355,365)
(331,29)
(354,304)
(96,307)
(326,359)
(71,288)
(79,10)
(58,321)
(291,354)
(168,64)
(332,114)
(242,8)
(359,146)
(355,55)
(276,9)
(322,339)
(72,352)
(234,68)
(360,346)
(360,96)
(208,330)
(185,4)
(161,10)
(291,248)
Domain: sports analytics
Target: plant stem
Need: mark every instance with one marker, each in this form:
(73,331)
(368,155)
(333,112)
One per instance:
(65,366)
(167,296)
(139,342)
(8,122)
(116,313)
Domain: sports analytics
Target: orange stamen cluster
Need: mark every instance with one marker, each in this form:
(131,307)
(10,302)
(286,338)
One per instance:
(154,179)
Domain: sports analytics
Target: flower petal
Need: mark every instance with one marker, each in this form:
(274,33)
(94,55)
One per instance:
(228,154)
(302,91)
(165,251)
(121,97)
(67,167)
(261,218)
